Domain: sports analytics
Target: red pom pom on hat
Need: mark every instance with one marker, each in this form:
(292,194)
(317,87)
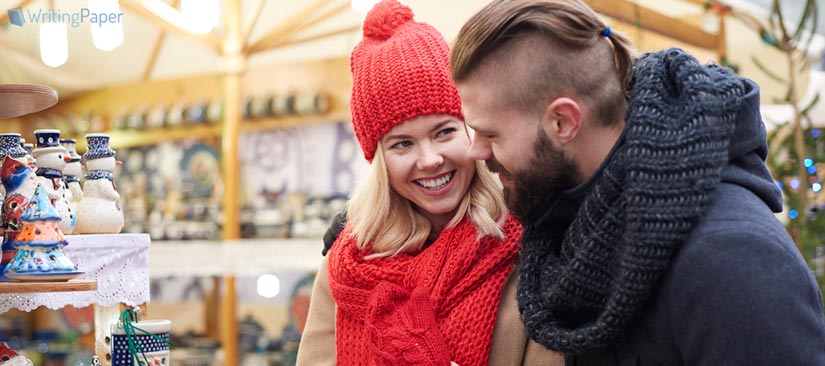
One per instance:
(384,18)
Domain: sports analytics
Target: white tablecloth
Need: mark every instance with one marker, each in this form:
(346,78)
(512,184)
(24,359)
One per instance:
(117,261)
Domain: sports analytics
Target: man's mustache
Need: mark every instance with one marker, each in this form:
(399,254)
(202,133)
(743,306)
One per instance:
(495,167)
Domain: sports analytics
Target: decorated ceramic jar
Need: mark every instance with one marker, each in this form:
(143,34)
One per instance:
(153,342)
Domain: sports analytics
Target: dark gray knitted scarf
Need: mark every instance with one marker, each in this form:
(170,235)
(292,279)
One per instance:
(583,282)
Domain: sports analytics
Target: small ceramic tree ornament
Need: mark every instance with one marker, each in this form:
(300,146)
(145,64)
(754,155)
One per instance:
(39,245)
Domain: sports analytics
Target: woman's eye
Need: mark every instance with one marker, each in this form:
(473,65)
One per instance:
(446,131)
(401,145)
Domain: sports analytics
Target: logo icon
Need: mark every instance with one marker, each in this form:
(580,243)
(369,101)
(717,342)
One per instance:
(16,17)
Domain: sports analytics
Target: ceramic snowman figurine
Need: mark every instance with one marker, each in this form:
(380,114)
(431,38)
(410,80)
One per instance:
(99,211)
(51,159)
(10,146)
(29,157)
(20,183)
(71,174)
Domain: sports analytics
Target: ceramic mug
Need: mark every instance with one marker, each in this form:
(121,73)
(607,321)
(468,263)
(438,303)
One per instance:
(156,351)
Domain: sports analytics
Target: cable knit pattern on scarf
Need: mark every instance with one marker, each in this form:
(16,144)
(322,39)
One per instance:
(426,309)
(581,285)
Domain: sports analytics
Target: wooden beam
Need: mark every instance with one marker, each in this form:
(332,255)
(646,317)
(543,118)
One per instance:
(704,3)
(722,45)
(105,316)
(631,13)
(4,17)
(235,66)
(321,17)
(229,322)
(285,37)
(256,13)
(168,18)
(317,36)
(153,56)
(277,33)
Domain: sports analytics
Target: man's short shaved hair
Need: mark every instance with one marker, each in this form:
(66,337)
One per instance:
(536,51)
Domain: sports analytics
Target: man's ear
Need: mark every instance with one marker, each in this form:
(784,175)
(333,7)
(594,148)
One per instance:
(562,120)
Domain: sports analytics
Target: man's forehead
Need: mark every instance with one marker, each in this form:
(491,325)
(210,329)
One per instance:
(477,124)
(474,99)
(470,115)
(476,88)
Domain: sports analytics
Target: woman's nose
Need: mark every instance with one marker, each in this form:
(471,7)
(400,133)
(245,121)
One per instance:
(429,158)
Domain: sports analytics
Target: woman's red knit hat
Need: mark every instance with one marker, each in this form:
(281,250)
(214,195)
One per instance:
(400,70)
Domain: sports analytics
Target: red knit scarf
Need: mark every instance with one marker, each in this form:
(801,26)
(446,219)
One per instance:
(431,308)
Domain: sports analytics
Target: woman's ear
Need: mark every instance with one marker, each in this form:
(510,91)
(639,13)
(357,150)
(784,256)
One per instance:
(562,120)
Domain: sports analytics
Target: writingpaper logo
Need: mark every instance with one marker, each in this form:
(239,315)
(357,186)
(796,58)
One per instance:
(16,17)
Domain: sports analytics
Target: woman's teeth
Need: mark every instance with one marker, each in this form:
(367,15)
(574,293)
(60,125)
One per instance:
(435,184)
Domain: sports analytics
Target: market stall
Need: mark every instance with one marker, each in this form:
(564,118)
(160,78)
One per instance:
(235,141)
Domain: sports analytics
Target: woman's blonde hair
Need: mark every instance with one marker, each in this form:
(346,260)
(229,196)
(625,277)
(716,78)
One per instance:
(388,224)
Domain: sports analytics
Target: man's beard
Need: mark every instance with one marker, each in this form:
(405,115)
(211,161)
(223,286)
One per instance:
(549,172)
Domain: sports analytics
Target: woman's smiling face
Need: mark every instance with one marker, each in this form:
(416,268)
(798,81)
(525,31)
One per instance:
(427,163)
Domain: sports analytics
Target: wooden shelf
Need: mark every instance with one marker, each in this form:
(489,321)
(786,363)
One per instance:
(31,287)
(128,138)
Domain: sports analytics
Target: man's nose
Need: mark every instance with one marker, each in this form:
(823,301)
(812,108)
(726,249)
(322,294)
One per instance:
(480,148)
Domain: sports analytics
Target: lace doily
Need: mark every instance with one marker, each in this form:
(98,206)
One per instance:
(117,261)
